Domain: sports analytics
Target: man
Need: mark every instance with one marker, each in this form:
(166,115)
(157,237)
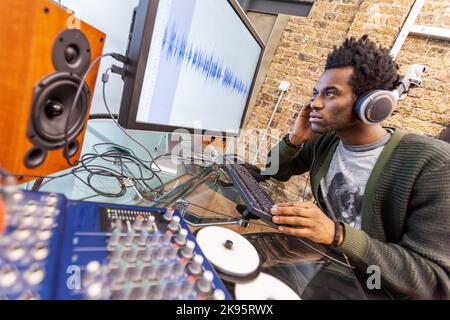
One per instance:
(382,197)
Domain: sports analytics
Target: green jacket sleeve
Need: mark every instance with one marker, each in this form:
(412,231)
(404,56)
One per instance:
(285,161)
(418,266)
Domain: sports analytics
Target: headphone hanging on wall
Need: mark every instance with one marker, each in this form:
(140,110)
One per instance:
(375,106)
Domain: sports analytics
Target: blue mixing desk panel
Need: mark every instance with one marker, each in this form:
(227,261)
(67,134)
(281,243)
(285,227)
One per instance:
(54,248)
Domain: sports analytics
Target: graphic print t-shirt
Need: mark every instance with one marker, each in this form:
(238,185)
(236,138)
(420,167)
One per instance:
(344,185)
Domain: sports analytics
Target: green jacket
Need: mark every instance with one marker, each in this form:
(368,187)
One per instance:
(405,213)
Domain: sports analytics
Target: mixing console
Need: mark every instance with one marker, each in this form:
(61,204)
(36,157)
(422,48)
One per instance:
(53,248)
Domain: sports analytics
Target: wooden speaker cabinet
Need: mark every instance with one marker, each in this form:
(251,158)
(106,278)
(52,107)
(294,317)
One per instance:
(43,57)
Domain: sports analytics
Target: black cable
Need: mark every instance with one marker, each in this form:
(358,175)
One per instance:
(117,56)
(105,79)
(77,96)
(111,173)
(31,176)
(99,192)
(87,164)
(102,116)
(137,162)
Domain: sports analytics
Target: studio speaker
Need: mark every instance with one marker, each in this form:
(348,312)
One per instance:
(44,53)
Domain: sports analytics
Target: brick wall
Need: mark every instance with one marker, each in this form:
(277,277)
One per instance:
(301,56)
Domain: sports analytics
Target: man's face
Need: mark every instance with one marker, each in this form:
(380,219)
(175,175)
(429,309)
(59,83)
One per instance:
(332,102)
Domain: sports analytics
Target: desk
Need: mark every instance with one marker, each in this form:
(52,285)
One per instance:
(205,191)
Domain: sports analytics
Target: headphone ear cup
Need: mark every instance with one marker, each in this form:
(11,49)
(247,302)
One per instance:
(375,106)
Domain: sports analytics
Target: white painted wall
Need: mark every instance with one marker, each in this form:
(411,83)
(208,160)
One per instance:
(113,17)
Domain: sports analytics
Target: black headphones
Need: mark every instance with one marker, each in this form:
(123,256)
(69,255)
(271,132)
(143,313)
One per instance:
(375,106)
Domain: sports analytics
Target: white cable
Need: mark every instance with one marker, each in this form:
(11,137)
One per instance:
(255,158)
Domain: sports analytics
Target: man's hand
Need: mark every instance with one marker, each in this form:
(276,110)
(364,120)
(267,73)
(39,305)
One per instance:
(307,221)
(301,132)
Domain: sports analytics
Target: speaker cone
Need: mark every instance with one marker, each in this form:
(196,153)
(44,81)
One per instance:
(52,102)
(71,52)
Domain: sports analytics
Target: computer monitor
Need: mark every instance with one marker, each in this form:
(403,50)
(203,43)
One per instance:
(193,65)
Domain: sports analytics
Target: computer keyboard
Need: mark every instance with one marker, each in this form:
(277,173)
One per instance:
(257,201)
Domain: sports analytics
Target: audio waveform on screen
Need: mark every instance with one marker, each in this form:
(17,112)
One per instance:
(177,47)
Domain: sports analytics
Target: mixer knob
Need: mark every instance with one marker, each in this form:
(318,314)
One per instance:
(172,291)
(188,250)
(137,224)
(10,186)
(22,234)
(166,238)
(31,207)
(151,272)
(159,253)
(52,199)
(40,251)
(155,240)
(143,238)
(29,296)
(171,253)
(181,237)
(118,225)
(129,238)
(174,224)
(27,221)
(150,224)
(92,270)
(138,271)
(147,255)
(133,254)
(141,293)
(15,252)
(47,222)
(187,288)
(44,234)
(219,294)
(125,292)
(204,284)
(195,267)
(156,292)
(8,276)
(169,214)
(117,254)
(121,272)
(178,270)
(50,212)
(34,275)
(17,195)
(164,271)
(94,291)
(114,240)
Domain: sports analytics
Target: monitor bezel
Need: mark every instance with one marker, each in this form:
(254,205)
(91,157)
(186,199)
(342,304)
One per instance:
(140,37)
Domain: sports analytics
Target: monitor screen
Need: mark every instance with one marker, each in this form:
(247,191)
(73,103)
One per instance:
(201,60)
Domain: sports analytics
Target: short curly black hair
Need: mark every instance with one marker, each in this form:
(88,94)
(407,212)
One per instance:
(373,67)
